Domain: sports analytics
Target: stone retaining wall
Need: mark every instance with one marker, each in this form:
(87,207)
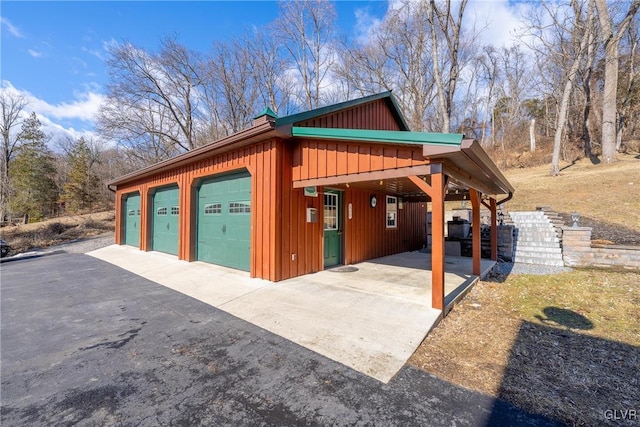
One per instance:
(505,242)
(577,251)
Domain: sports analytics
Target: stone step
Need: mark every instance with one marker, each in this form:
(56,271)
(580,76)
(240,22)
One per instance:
(538,249)
(535,232)
(539,261)
(544,238)
(538,256)
(543,225)
(527,214)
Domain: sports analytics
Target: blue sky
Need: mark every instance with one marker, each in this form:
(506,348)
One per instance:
(54,51)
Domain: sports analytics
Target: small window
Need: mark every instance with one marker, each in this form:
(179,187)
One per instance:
(392,212)
(213,209)
(330,211)
(175,210)
(162,211)
(239,207)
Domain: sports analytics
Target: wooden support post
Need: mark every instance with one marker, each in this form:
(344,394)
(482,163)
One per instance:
(494,229)
(436,191)
(476,232)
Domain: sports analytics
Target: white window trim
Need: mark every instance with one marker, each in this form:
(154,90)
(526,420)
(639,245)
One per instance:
(392,208)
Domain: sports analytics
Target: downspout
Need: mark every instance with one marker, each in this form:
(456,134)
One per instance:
(506,199)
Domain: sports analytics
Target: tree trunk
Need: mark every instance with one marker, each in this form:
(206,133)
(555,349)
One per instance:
(609,103)
(586,86)
(566,94)
(532,135)
(562,119)
(437,75)
(611,41)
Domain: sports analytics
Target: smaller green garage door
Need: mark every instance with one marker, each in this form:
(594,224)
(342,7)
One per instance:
(224,221)
(132,220)
(166,212)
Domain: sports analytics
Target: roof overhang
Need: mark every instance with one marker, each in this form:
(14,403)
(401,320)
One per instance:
(444,140)
(463,160)
(257,133)
(470,165)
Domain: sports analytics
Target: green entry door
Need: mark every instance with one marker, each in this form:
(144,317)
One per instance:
(332,230)
(224,221)
(166,213)
(132,220)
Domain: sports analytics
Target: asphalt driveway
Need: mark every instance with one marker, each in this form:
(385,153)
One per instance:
(86,343)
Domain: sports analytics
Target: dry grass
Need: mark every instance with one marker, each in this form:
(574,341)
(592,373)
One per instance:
(607,193)
(566,346)
(54,231)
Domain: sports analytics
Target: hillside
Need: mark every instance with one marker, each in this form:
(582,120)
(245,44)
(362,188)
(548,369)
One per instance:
(607,197)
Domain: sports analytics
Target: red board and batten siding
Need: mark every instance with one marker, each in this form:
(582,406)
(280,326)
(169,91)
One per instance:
(263,157)
(321,159)
(374,115)
(367,235)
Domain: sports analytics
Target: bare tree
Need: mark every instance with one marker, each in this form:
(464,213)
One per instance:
(152,99)
(611,40)
(586,75)
(306,29)
(12,107)
(584,26)
(488,64)
(265,60)
(397,56)
(633,37)
(234,92)
(562,45)
(448,23)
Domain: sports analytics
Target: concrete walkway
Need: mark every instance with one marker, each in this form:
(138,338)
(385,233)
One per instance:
(370,317)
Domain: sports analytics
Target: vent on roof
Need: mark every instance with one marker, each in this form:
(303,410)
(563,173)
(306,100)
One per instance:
(267,115)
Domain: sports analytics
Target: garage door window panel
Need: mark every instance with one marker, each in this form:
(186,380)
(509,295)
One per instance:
(240,207)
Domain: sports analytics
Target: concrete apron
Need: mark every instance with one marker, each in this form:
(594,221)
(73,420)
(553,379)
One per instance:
(370,317)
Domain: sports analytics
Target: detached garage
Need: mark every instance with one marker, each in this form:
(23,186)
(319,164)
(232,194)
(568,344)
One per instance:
(294,195)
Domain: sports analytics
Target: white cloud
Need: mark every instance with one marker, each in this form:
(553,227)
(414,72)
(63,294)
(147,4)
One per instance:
(35,53)
(11,28)
(75,118)
(499,20)
(366,25)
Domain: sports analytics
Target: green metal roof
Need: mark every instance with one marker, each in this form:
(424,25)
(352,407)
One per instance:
(322,111)
(380,136)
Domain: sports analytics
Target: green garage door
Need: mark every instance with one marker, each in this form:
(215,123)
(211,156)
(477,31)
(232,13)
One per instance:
(132,220)
(166,212)
(224,220)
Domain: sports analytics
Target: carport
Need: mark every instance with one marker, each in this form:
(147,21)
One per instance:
(417,167)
